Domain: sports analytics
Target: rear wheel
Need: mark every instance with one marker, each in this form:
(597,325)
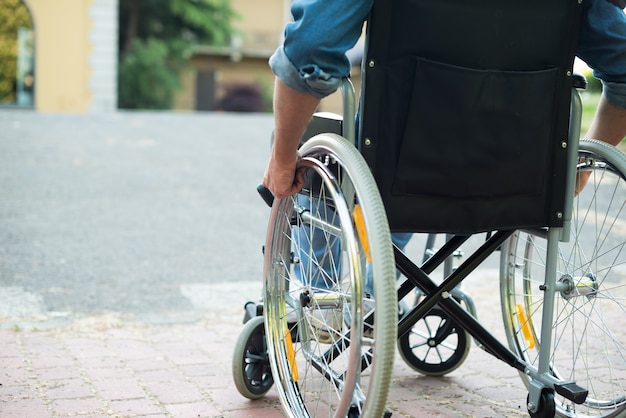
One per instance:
(318,245)
(251,366)
(589,337)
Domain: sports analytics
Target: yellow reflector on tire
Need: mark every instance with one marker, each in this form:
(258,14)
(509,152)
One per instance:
(526,327)
(360,229)
(291,355)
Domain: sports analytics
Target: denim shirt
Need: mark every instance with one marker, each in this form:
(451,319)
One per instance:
(602,45)
(313,57)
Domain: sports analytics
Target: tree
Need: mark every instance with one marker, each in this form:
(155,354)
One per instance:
(156,38)
(13,16)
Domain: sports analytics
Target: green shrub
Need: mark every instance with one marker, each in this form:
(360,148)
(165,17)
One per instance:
(148,76)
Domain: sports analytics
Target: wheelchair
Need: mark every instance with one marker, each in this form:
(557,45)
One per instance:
(469,119)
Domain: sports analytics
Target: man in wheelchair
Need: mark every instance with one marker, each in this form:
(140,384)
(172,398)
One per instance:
(312,61)
(455,139)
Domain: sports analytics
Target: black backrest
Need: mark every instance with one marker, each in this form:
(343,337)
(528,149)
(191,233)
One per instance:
(465,111)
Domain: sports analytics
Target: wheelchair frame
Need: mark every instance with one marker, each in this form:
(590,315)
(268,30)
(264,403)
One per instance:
(417,278)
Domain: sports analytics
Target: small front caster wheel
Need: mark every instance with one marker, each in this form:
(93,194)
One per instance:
(251,366)
(436,345)
(546,408)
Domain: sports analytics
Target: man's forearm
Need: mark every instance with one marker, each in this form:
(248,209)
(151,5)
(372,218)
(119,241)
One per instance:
(609,124)
(292,112)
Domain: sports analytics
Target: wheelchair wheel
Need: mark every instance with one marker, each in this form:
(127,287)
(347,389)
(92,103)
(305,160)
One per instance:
(435,346)
(316,252)
(251,367)
(589,337)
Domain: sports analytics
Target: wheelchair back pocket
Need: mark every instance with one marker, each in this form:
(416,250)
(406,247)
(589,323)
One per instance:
(475,133)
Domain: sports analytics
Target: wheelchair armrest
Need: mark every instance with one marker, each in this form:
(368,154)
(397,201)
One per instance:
(580,81)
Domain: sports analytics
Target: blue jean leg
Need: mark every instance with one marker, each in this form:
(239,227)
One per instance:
(400,240)
(318,253)
(319,256)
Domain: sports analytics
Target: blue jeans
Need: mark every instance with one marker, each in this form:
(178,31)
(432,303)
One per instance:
(319,256)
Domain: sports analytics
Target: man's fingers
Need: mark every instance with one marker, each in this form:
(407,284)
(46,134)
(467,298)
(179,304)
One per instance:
(284,181)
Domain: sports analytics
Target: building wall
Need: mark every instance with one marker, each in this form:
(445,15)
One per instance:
(260,23)
(75,54)
(261,26)
(103,57)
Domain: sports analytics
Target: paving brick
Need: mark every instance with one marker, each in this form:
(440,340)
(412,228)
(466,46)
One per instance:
(108,373)
(502,393)
(174,391)
(11,393)
(262,412)
(116,389)
(208,382)
(157,376)
(57,373)
(101,362)
(129,349)
(51,361)
(39,344)
(195,409)
(181,354)
(198,370)
(143,364)
(16,373)
(78,406)
(24,408)
(85,348)
(68,389)
(10,349)
(129,407)
(423,409)
(228,399)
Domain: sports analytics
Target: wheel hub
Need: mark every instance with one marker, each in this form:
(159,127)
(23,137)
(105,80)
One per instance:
(571,287)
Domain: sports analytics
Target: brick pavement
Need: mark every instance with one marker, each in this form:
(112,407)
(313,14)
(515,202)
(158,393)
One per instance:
(108,367)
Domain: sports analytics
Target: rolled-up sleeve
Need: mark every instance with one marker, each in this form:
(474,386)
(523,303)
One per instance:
(602,45)
(615,93)
(310,79)
(313,58)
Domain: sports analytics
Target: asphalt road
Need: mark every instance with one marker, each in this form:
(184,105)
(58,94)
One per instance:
(153,216)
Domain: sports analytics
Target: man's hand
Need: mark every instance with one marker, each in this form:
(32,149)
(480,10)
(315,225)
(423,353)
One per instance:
(283,179)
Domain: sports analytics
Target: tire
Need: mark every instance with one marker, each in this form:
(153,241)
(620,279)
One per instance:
(315,263)
(435,346)
(251,367)
(589,337)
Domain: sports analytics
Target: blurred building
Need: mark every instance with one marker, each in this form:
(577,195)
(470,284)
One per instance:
(67,58)
(220,71)
(70,62)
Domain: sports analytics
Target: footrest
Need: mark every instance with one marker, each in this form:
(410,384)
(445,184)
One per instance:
(572,391)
